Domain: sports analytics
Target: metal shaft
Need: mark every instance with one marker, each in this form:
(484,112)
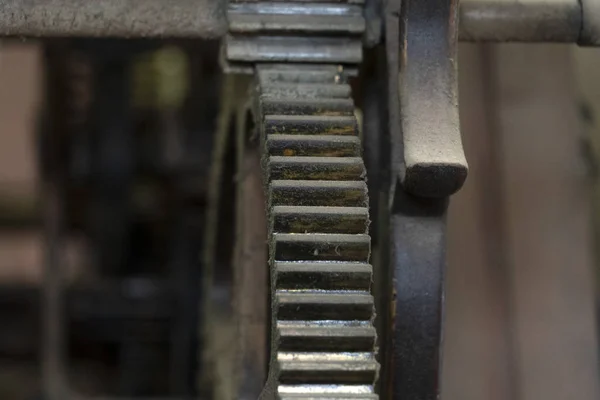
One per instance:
(567,21)
(523,21)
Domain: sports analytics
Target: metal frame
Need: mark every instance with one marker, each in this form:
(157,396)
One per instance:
(419,289)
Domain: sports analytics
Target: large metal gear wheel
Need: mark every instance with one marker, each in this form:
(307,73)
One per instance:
(322,334)
(323,338)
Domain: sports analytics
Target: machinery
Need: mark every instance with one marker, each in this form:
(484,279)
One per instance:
(313,183)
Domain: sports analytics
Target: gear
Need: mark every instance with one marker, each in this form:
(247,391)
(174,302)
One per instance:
(323,338)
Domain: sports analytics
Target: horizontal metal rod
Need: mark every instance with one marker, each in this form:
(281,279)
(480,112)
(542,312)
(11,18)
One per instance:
(113,18)
(558,21)
(520,21)
(563,21)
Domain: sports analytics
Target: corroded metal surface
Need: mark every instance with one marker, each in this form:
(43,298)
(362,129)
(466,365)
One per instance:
(122,18)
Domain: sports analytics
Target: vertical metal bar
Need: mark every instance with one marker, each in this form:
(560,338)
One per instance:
(185,278)
(51,189)
(53,296)
(418,228)
(113,152)
(427,157)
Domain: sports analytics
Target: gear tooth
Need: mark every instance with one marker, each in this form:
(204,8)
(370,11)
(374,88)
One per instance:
(257,18)
(321,392)
(293,106)
(323,275)
(328,397)
(305,32)
(317,305)
(319,193)
(322,247)
(326,336)
(306,91)
(320,219)
(317,168)
(243,49)
(283,73)
(311,125)
(326,367)
(311,145)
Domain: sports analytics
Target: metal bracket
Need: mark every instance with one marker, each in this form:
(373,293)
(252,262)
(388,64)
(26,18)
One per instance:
(433,162)
(428,159)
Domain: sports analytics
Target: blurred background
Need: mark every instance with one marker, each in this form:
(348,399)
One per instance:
(524,233)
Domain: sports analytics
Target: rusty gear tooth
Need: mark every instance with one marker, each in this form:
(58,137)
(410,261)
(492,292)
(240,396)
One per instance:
(317,168)
(313,145)
(311,125)
(352,220)
(318,193)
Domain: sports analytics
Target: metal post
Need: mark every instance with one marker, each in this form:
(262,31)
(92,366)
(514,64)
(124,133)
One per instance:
(53,131)
(53,297)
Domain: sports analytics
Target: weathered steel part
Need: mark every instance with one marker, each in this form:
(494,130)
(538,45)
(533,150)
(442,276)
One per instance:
(412,245)
(319,146)
(434,163)
(247,49)
(323,338)
(317,168)
(300,17)
(301,32)
(590,32)
(481,20)
(556,21)
(520,21)
(418,245)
